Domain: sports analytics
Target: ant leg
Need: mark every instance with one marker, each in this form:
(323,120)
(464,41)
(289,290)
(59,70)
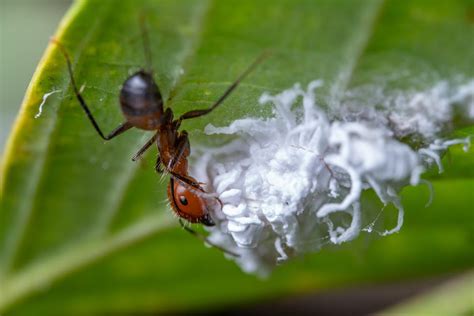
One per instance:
(119,130)
(158,166)
(146,41)
(125,126)
(198,113)
(182,147)
(145,147)
(205,240)
(185,180)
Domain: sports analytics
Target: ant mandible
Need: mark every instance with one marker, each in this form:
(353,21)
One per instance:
(142,106)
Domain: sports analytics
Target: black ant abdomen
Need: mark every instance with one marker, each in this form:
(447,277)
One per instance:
(141,101)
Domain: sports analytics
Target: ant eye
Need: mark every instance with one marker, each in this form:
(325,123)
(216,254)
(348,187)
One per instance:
(183,200)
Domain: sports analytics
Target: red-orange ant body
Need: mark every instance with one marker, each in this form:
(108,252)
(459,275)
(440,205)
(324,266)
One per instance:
(142,106)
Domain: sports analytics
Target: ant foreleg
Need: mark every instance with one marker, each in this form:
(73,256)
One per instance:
(119,130)
(185,180)
(158,165)
(145,147)
(198,113)
(182,148)
(205,240)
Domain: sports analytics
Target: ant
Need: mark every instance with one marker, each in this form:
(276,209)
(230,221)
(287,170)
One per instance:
(142,106)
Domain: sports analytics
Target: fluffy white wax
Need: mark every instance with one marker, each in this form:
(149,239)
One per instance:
(292,183)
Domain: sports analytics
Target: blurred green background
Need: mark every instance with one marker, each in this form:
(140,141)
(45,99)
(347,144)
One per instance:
(34,22)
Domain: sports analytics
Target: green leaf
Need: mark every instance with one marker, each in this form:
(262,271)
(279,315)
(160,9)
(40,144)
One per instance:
(86,231)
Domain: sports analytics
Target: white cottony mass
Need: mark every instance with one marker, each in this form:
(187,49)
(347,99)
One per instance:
(292,183)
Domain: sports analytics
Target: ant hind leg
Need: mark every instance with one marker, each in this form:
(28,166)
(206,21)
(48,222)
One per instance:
(119,130)
(125,126)
(146,41)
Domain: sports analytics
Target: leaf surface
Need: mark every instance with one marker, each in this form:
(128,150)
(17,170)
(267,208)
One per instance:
(84,230)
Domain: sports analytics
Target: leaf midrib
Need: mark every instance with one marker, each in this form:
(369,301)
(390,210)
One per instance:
(44,272)
(353,55)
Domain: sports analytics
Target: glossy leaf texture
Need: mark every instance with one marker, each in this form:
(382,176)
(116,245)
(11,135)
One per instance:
(85,231)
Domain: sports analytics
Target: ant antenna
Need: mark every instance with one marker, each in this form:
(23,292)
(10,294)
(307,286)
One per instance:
(146,42)
(205,240)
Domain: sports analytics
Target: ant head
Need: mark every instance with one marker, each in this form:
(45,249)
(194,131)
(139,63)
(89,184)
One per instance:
(191,203)
(141,101)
